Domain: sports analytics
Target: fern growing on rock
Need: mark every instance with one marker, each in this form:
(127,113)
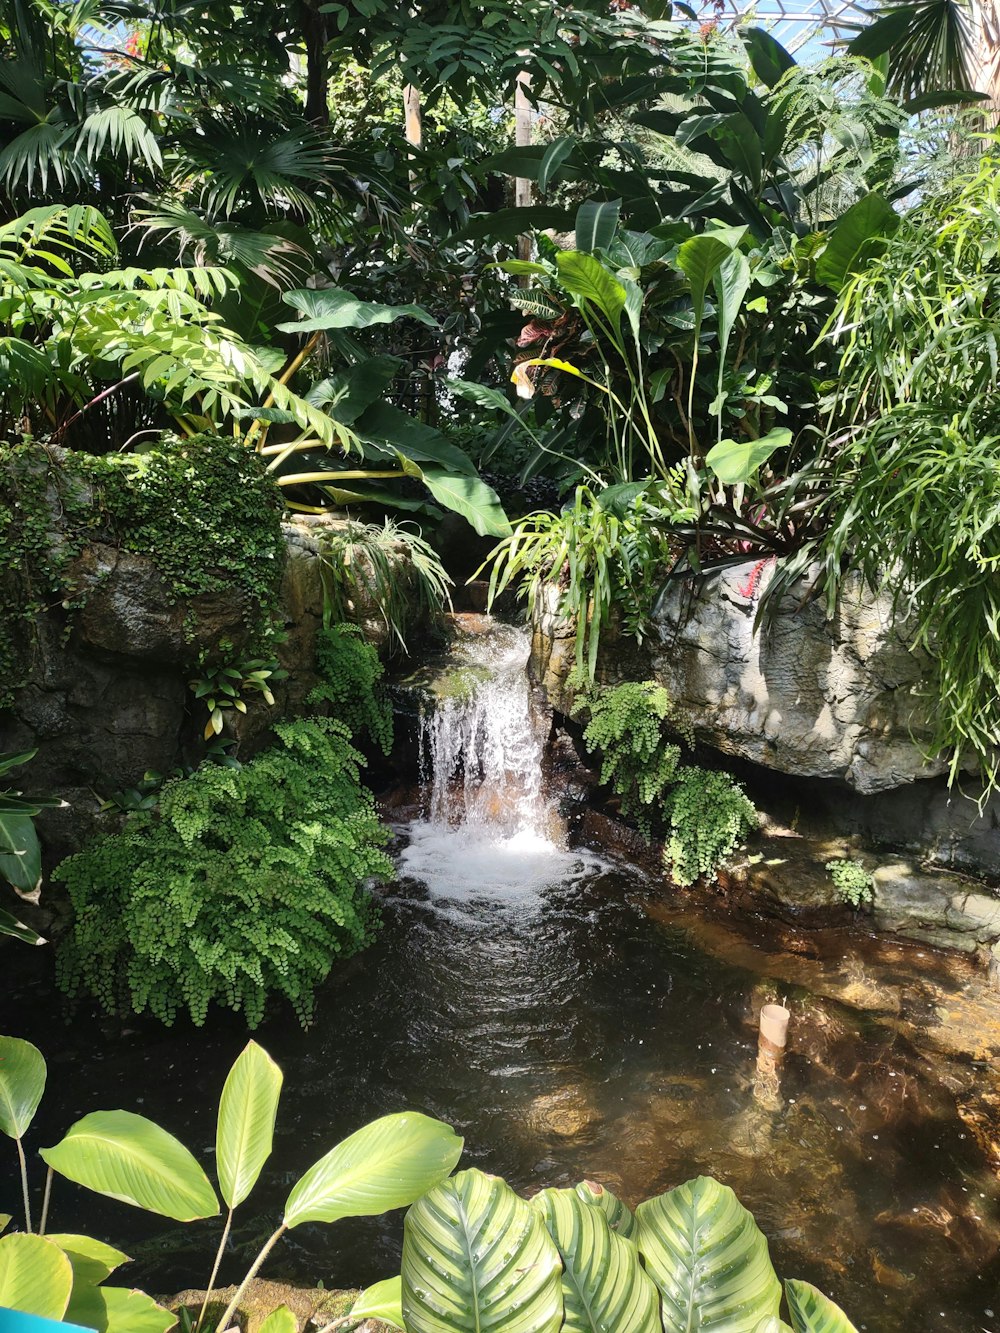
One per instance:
(351,683)
(702,814)
(246,882)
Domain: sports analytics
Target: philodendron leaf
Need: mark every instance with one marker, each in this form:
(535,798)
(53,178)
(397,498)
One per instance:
(620,1217)
(118,1310)
(853,240)
(603,1282)
(478,503)
(700,258)
(382,1301)
(92,1261)
(247,1109)
(709,1259)
(280,1321)
(127,1157)
(22,1082)
(382,1166)
(35,1276)
(812,1312)
(332,308)
(736,461)
(475,1256)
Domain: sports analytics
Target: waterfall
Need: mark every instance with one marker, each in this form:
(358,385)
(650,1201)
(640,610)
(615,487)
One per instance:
(481,745)
(490,831)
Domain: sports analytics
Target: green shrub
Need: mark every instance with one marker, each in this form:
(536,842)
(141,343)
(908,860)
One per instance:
(853,882)
(703,814)
(246,882)
(350,682)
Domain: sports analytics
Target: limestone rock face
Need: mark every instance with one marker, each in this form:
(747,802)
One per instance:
(805,695)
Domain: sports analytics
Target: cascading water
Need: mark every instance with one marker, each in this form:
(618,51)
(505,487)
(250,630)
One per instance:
(489,826)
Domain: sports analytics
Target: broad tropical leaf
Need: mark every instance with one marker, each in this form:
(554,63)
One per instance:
(92,1261)
(333,308)
(22,1082)
(127,1157)
(35,1276)
(382,1166)
(17,930)
(736,461)
(768,57)
(772,1324)
(470,497)
(854,238)
(280,1321)
(475,1256)
(118,1310)
(700,258)
(247,1109)
(603,1283)
(596,224)
(382,1301)
(20,853)
(621,1219)
(709,1259)
(812,1312)
(587,279)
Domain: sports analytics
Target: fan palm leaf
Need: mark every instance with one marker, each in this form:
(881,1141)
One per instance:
(931,45)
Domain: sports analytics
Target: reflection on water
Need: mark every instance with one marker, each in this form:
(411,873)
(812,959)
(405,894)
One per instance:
(567,1032)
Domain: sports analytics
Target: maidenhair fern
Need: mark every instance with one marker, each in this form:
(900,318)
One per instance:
(852,881)
(704,815)
(351,683)
(246,882)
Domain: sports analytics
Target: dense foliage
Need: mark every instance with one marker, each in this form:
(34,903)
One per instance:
(246,882)
(704,815)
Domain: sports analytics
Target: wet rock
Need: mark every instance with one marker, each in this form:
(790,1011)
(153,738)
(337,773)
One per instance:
(311,1307)
(944,910)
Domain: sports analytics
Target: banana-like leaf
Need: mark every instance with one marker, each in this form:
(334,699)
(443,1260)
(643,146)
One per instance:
(475,1256)
(127,1157)
(709,1259)
(92,1261)
(700,258)
(382,1301)
(768,57)
(857,233)
(604,1285)
(35,1276)
(596,224)
(620,1217)
(22,1082)
(382,1166)
(736,461)
(280,1321)
(333,308)
(478,503)
(245,1133)
(812,1312)
(118,1310)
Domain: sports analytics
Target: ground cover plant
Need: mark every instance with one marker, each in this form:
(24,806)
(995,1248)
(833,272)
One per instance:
(475,1254)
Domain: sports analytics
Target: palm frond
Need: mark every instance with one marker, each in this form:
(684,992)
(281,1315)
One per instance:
(276,259)
(931,45)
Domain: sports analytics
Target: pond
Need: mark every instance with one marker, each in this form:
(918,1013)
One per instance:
(574,1017)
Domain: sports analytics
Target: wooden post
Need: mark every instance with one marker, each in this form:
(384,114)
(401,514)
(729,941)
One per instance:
(522,137)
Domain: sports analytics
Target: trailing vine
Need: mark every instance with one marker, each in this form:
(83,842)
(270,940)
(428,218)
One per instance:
(202,510)
(247,881)
(703,814)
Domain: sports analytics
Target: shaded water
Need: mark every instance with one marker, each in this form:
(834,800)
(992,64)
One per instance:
(572,1017)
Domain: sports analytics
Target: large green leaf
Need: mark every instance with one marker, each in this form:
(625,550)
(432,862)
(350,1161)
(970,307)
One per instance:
(596,224)
(587,278)
(281,1320)
(245,1133)
(22,1082)
(118,1310)
(127,1157)
(92,1261)
(476,1257)
(852,240)
(620,1217)
(382,1166)
(709,1259)
(382,1301)
(20,854)
(333,308)
(384,424)
(35,1276)
(506,224)
(768,57)
(603,1283)
(730,284)
(470,497)
(812,1312)
(17,930)
(700,258)
(736,461)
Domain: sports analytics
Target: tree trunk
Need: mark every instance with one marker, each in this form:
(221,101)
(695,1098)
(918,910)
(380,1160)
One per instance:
(522,137)
(315,36)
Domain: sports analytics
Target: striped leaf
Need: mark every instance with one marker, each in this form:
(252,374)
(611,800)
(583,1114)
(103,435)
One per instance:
(708,1258)
(475,1256)
(603,1283)
(35,1276)
(118,1310)
(381,1301)
(385,1165)
(127,1157)
(245,1132)
(621,1219)
(812,1312)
